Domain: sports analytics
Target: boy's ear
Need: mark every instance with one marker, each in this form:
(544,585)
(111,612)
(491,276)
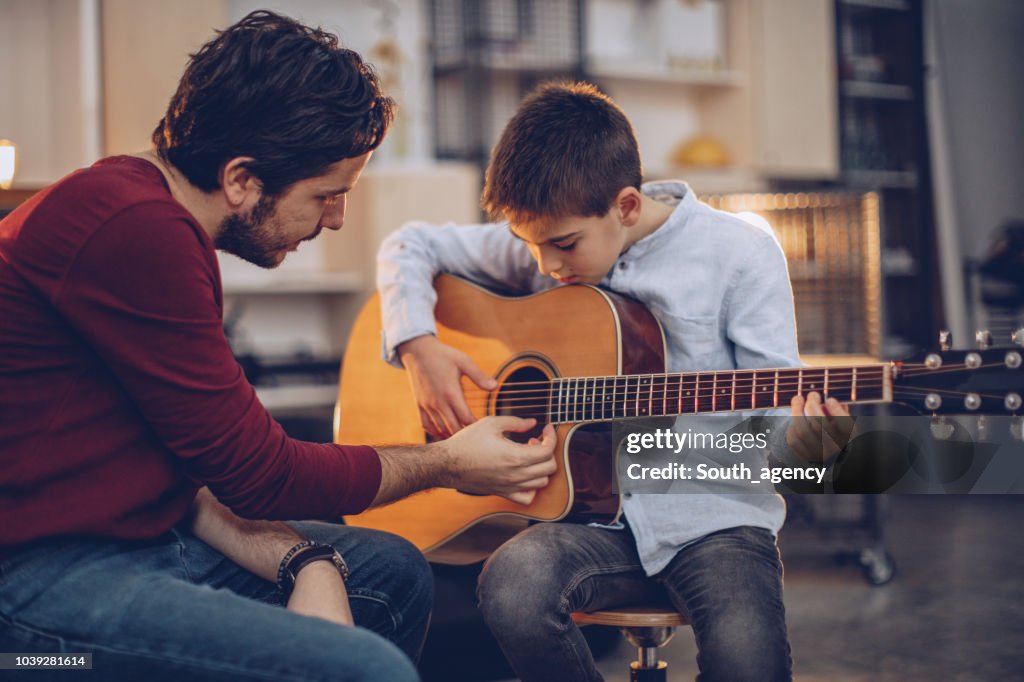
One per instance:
(238,183)
(628,203)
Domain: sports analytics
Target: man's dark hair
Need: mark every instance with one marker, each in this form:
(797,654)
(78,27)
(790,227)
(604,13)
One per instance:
(567,151)
(285,94)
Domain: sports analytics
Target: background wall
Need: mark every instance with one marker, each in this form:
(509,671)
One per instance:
(978,43)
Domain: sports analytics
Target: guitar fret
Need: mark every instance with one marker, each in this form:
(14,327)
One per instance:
(799,383)
(753,393)
(775,394)
(625,399)
(853,386)
(604,394)
(583,400)
(824,391)
(577,404)
(680,399)
(732,403)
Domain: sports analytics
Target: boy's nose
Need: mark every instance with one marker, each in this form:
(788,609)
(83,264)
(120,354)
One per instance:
(547,264)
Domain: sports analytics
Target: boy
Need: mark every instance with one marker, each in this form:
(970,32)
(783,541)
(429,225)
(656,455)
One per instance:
(566,175)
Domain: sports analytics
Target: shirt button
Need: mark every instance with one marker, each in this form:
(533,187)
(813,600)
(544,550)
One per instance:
(623,265)
(627,495)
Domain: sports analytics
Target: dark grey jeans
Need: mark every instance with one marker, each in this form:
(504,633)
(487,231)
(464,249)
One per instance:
(728,585)
(174,609)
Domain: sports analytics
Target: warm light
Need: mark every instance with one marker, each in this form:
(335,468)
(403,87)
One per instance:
(8,163)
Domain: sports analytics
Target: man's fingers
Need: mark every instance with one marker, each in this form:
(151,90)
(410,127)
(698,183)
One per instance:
(535,483)
(516,424)
(523,497)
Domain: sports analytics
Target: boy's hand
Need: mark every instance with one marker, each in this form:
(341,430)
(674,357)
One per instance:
(435,372)
(818,430)
(483,460)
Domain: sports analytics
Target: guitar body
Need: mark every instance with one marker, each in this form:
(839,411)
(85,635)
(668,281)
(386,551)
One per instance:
(518,341)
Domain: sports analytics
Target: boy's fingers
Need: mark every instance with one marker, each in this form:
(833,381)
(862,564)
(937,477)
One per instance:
(462,413)
(477,375)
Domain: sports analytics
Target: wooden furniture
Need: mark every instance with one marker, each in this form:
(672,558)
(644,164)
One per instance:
(647,627)
(884,149)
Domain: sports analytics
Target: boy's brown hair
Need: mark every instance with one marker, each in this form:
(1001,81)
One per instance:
(567,151)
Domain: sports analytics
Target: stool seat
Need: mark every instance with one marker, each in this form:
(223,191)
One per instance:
(632,617)
(645,626)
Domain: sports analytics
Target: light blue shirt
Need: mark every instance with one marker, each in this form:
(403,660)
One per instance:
(718,284)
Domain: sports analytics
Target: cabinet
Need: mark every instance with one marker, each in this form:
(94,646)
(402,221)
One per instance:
(884,148)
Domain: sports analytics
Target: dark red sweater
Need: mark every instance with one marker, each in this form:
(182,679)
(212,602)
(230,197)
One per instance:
(119,395)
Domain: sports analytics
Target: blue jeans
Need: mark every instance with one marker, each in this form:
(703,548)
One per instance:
(728,585)
(174,609)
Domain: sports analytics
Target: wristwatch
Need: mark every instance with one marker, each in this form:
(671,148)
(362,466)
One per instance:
(301,555)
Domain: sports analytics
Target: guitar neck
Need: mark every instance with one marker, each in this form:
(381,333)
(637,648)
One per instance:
(576,399)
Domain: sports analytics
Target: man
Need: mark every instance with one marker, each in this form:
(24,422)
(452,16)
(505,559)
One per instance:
(120,399)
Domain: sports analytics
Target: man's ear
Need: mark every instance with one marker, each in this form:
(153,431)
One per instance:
(238,183)
(628,202)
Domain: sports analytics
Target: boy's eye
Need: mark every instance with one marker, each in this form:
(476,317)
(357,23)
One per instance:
(565,247)
(332,199)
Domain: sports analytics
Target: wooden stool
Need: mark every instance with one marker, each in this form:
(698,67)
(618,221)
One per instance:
(645,627)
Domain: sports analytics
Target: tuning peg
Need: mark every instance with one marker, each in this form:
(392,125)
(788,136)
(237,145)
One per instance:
(945,339)
(1017,428)
(941,428)
(982,424)
(984,338)
(1017,337)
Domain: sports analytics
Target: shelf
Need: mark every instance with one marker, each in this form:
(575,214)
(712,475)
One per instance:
(872,90)
(897,5)
(703,180)
(652,72)
(291,283)
(296,397)
(881,178)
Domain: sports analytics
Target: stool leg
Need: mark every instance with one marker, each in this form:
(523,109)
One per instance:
(647,667)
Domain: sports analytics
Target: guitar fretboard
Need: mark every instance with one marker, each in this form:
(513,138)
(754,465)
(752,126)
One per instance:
(580,399)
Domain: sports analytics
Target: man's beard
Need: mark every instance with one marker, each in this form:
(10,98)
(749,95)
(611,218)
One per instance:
(253,237)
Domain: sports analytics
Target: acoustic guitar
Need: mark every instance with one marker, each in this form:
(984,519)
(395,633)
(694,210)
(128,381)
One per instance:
(611,367)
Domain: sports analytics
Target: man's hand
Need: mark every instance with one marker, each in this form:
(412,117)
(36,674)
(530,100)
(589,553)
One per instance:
(484,461)
(477,459)
(259,546)
(320,592)
(818,430)
(435,372)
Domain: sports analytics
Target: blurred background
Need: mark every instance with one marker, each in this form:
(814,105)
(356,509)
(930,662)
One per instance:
(882,139)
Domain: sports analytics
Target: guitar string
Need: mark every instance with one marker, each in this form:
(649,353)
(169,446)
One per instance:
(863,371)
(700,379)
(541,402)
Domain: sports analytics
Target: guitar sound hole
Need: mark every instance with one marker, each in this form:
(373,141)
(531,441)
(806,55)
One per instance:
(525,393)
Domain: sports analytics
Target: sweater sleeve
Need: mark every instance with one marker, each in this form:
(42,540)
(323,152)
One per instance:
(144,292)
(412,256)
